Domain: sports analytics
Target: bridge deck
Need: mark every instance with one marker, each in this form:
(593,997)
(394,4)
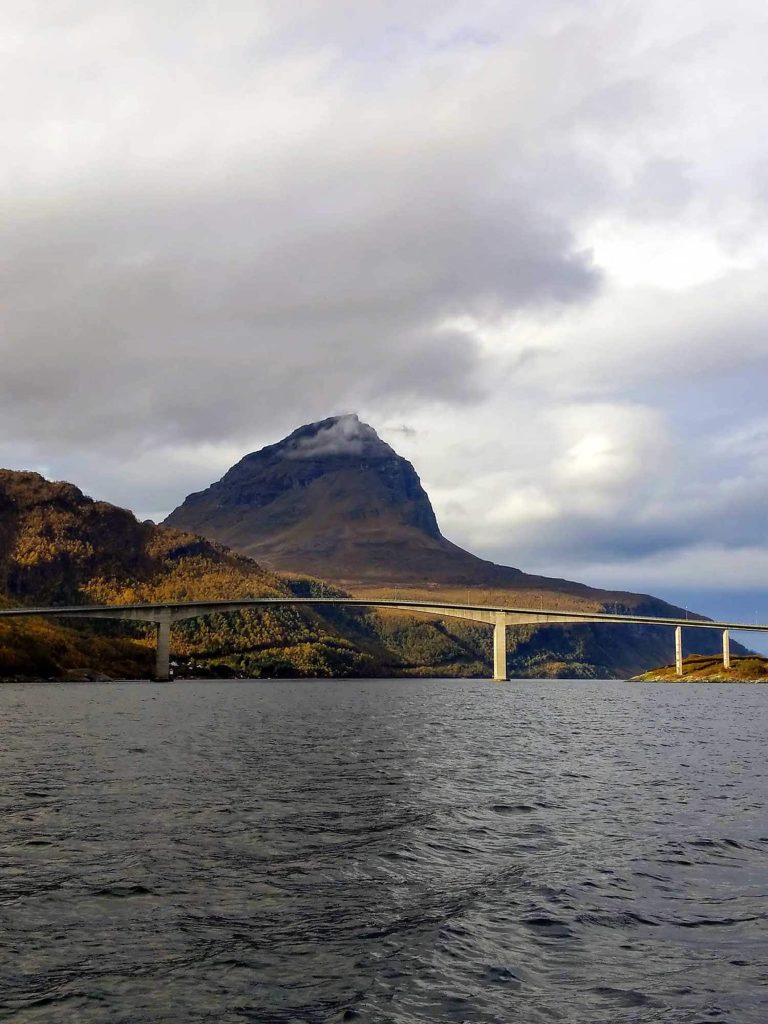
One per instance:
(191,609)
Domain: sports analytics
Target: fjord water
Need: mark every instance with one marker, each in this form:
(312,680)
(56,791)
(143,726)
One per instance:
(383,851)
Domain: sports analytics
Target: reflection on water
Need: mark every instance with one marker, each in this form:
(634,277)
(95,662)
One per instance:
(383,851)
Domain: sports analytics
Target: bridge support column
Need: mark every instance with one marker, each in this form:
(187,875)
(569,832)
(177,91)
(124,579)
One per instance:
(163,653)
(679,650)
(500,647)
(726,649)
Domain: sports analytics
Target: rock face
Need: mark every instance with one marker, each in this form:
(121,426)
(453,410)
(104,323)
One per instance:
(335,501)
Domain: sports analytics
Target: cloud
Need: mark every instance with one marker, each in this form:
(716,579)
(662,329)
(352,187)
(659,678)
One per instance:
(535,233)
(346,435)
(694,568)
(202,244)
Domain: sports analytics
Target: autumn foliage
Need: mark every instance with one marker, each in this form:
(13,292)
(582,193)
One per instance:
(59,547)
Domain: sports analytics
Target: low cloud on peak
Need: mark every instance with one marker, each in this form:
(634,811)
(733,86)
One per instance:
(340,435)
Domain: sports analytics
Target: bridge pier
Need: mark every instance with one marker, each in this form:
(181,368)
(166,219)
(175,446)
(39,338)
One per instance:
(500,647)
(163,653)
(679,650)
(726,649)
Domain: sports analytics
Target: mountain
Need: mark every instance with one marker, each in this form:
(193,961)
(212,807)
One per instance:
(334,500)
(58,546)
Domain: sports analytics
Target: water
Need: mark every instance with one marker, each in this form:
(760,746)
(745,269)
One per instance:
(383,851)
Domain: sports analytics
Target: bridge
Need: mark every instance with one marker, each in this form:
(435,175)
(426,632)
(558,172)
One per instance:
(164,614)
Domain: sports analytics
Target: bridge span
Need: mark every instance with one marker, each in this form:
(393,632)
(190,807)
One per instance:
(164,614)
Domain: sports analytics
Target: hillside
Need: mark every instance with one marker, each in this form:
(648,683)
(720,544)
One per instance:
(335,500)
(58,546)
(332,500)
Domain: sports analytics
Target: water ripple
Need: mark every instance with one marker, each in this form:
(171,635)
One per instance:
(410,852)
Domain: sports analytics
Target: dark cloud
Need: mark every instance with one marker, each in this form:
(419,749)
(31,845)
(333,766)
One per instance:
(230,260)
(205,315)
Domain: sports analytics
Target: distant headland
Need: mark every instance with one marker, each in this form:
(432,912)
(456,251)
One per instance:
(701,668)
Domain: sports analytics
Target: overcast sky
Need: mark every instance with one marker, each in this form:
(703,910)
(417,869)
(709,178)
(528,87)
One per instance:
(527,240)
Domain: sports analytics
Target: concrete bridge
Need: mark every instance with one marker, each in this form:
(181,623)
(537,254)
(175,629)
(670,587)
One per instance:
(164,614)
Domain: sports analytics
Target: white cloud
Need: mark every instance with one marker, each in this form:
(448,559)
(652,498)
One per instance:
(345,435)
(607,448)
